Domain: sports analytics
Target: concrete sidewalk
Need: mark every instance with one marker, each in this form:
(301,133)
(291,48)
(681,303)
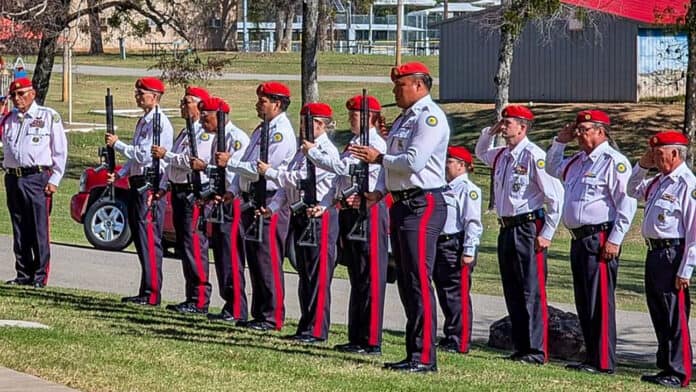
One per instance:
(11,381)
(119,273)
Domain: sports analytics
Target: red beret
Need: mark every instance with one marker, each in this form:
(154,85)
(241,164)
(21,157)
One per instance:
(20,83)
(317,109)
(669,138)
(273,88)
(198,92)
(596,116)
(518,111)
(355,103)
(460,153)
(151,84)
(213,104)
(406,69)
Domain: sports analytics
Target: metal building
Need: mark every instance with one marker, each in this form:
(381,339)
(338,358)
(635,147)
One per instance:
(571,62)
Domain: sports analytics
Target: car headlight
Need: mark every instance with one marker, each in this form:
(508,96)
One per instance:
(83,182)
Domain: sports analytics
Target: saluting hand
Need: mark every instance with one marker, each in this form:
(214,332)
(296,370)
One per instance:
(364,153)
(681,283)
(306,146)
(197,164)
(221,158)
(158,152)
(495,129)
(50,189)
(110,139)
(647,161)
(567,134)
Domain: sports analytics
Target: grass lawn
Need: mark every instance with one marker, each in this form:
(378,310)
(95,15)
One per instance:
(97,344)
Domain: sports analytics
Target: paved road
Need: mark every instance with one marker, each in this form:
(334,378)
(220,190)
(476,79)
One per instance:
(138,72)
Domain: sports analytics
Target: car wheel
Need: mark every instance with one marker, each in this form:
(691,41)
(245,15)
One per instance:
(106,225)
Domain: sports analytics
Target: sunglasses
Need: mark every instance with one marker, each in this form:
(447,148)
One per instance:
(19,93)
(583,129)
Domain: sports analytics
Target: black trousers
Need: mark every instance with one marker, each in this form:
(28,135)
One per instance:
(523,274)
(594,283)
(192,246)
(669,310)
(367,270)
(415,225)
(265,262)
(30,209)
(147,237)
(453,284)
(315,267)
(228,251)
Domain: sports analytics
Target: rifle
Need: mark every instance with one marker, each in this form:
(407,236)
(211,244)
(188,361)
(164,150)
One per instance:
(308,190)
(360,176)
(258,190)
(199,192)
(217,176)
(107,154)
(152,173)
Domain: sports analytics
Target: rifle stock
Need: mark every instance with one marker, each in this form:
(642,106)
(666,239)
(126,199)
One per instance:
(217,176)
(107,153)
(308,190)
(360,174)
(259,190)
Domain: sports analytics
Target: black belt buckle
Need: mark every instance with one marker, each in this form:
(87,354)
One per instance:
(662,243)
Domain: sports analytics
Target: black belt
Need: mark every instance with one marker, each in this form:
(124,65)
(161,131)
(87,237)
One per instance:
(518,220)
(25,171)
(177,188)
(136,182)
(248,196)
(663,243)
(447,237)
(588,230)
(412,193)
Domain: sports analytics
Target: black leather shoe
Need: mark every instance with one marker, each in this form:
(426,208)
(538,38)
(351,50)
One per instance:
(38,285)
(225,316)
(666,380)
(186,308)
(514,356)
(18,282)
(372,350)
(350,348)
(413,367)
(404,363)
(309,339)
(260,325)
(137,300)
(450,346)
(587,368)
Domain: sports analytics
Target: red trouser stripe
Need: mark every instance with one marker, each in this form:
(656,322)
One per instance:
(464,338)
(541,277)
(686,339)
(275,265)
(48,239)
(197,256)
(323,274)
(603,302)
(153,256)
(234,259)
(423,277)
(373,335)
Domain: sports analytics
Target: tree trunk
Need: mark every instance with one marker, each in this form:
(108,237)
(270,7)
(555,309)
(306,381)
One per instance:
(44,65)
(502,75)
(324,25)
(310,87)
(279,28)
(690,101)
(95,34)
(286,42)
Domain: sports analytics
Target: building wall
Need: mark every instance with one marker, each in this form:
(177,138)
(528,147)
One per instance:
(589,65)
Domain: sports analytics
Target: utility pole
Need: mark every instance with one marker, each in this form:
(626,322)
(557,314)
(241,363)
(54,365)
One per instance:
(245,45)
(399,22)
(445,9)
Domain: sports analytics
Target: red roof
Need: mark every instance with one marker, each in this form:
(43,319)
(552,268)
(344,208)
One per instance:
(649,11)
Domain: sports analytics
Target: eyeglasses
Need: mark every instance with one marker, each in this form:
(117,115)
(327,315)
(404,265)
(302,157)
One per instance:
(19,93)
(142,92)
(584,129)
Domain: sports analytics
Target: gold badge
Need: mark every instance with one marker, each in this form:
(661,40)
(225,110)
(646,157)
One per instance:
(277,137)
(205,136)
(473,195)
(35,139)
(621,168)
(237,145)
(541,163)
(431,120)
(661,217)
(18,85)
(588,117)
(693,193)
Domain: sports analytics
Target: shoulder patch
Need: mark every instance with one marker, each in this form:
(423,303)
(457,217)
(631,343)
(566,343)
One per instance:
(277,137)
(237,145)
(205,136)
(431,120)
(621,168)
(56,117)
(473,195)
(540,163)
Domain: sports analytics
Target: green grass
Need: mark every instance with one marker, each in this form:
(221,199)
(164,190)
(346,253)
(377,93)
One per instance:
(97,344)
(330,63)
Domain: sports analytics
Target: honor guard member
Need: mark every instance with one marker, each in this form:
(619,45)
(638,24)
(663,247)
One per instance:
(522,190)
(315,264)
(598,212)
(414,173)
(35,154)
(144,218)
(191,243)
(265,260)
(226,239)
(457,251)
(366,259)
(669,229)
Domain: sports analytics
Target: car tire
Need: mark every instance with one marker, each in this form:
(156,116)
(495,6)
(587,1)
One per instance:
(106,225)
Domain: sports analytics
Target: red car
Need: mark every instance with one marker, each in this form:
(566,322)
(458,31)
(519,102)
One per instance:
(105,222)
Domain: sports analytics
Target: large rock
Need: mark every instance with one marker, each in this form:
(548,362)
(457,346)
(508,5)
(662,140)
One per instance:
(565,335)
